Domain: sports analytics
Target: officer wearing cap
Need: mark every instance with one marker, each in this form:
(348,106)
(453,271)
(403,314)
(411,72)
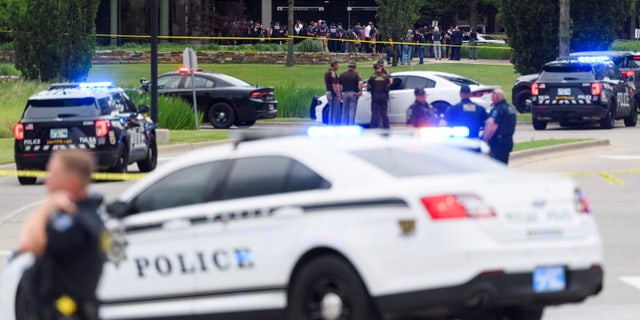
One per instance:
(466,113)
(378,85)
(500,126)
(420,113)
(351,85)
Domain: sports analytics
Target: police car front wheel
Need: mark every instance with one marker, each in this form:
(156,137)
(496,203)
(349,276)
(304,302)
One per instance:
(328,288)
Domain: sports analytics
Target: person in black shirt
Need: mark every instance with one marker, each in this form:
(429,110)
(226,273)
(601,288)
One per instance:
(466,113)
(420,113)
(334,98)
(456,43)
(473,44)
(500,126)
(378,85)
(351,84)
(65,234)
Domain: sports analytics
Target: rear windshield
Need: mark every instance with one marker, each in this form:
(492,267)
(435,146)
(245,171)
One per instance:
(567,72)
(61,108)
(459,80)
(231,81)
(404,162)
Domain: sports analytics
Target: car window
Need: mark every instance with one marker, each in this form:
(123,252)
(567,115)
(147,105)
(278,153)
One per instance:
(229,81)
(459,80)
(169,82)
(409,162)
(105,105)
(414,82)
(184,187)
(397,84)
(201,82)
(61,108)
(257,176)
(122,103)
(561,72)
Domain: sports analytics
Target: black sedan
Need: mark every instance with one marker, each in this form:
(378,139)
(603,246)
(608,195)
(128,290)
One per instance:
(223,99)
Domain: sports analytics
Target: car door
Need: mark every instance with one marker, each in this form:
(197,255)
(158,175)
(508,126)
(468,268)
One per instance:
(169,84)
(247,240)
(133,123)
(402,96)
(205,89)
(157,277)
(622,90)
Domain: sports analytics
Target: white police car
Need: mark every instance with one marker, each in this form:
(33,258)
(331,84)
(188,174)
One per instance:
(335,226)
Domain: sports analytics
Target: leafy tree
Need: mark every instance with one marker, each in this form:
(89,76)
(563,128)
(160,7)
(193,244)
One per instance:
(59,42)
(395,17)
(596,24)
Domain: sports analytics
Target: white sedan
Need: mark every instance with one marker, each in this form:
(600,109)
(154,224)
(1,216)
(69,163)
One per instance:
(342,224)
(443,91)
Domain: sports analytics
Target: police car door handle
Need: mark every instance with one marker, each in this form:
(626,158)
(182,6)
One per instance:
(176,224)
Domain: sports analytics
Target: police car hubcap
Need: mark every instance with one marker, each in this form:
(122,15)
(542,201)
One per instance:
(331,306)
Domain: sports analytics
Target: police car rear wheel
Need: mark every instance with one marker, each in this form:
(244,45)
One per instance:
(538,124)
(151,161)
(609,121)
(221,115)
(27,180)
(328,288)
(632,119)
(122,163)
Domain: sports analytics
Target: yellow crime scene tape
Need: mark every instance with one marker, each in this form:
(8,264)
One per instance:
(102,176)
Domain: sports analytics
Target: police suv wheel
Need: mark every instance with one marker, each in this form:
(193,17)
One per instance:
(151,161)
(609,121)
(328,288)
(221,116)
(521,101)
(122,163)
(538,124)
(632,119)
(27,180)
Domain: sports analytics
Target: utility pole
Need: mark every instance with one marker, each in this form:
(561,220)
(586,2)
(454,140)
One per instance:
(564,28)
(291,33)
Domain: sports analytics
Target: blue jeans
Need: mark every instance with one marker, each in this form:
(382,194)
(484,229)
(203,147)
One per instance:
(437,50)
(421,53)
(406,57)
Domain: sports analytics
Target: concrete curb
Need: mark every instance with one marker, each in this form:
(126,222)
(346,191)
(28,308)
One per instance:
(517,155)
(184,147)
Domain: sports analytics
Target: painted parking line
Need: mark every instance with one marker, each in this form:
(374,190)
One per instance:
(632,281)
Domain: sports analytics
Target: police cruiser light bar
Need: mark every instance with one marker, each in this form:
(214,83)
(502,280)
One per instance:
(593,59)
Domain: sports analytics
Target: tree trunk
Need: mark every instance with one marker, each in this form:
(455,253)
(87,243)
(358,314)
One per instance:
(291,31)
(564,29)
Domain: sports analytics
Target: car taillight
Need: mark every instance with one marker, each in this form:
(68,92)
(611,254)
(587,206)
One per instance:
(18,131)
(535,89)
(596,88)
(102,128)
(629,73)
(450,206)
(256,95)
(582,204)
(479,94)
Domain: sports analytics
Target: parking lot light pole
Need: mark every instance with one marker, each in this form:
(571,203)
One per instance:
(154,61)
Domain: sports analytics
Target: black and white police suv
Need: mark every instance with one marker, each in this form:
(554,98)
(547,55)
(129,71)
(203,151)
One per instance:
(342,225)
(92,116)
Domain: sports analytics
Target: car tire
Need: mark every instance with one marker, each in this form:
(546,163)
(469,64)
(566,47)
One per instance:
(328,288)
(538,124)
(609,121)
(150,163)
(221,115)
(27,180)
(524,313)
(122,163)
(632,119)
(520,102)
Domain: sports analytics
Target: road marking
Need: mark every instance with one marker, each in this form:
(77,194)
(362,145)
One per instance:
(622,157)
(11,215)
(632,281)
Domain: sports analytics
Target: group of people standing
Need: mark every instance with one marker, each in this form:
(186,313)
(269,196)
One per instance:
(432,42)
(495,127)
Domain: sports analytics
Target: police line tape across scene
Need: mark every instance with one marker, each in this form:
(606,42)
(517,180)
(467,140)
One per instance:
(96,175)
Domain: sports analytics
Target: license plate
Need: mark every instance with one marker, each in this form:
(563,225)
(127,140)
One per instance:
(549,279)
(59,133)
(564,91)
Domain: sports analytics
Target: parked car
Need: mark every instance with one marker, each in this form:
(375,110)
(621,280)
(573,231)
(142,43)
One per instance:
(485,38)
(224,100)
(443,91)
(341,224)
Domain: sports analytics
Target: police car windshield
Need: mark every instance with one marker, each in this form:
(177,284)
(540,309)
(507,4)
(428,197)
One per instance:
(61,108)
(582,72)
(406,162)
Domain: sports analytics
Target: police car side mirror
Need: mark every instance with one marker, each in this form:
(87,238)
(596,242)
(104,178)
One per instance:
(143,81)
(118,209)
(143,108)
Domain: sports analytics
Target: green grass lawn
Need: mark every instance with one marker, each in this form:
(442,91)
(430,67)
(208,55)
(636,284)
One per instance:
(543,143)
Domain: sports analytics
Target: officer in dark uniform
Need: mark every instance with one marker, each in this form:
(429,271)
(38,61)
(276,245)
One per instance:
(332,85)
(500,127)
(378,85)
(420,113)
(466,113)
(351,85)
(66,235)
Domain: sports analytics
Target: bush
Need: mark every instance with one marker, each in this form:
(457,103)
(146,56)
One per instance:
(8,70)
(294,101)
(173,112)
(489,51)
(14,96)
(308,45)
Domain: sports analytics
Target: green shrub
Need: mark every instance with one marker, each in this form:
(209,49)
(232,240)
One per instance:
(294,101)
(489,51)
(6,46)
(308,45)
(173,112)
(8,70)
(14,96)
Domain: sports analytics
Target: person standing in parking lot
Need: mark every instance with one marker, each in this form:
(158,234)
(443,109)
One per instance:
(500,126)
(473,44)
(351,85)
(378,85)
(420,113)
(466,113)
(66,235)
(332,84)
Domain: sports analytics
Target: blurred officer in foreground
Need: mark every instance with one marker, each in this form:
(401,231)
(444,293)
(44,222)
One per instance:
(351,85)
(500,127)
(466,114)
(332,85)
(420,113)
(378,85)
(65,233)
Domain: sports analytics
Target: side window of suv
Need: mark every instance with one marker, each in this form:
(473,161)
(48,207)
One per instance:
(256,176)
(184,187)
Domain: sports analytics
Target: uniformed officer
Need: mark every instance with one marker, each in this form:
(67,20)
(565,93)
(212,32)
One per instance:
(65,234)
(420,113)
(334,98)
(378,85)
(466,114)
(351,85)
(500,126)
